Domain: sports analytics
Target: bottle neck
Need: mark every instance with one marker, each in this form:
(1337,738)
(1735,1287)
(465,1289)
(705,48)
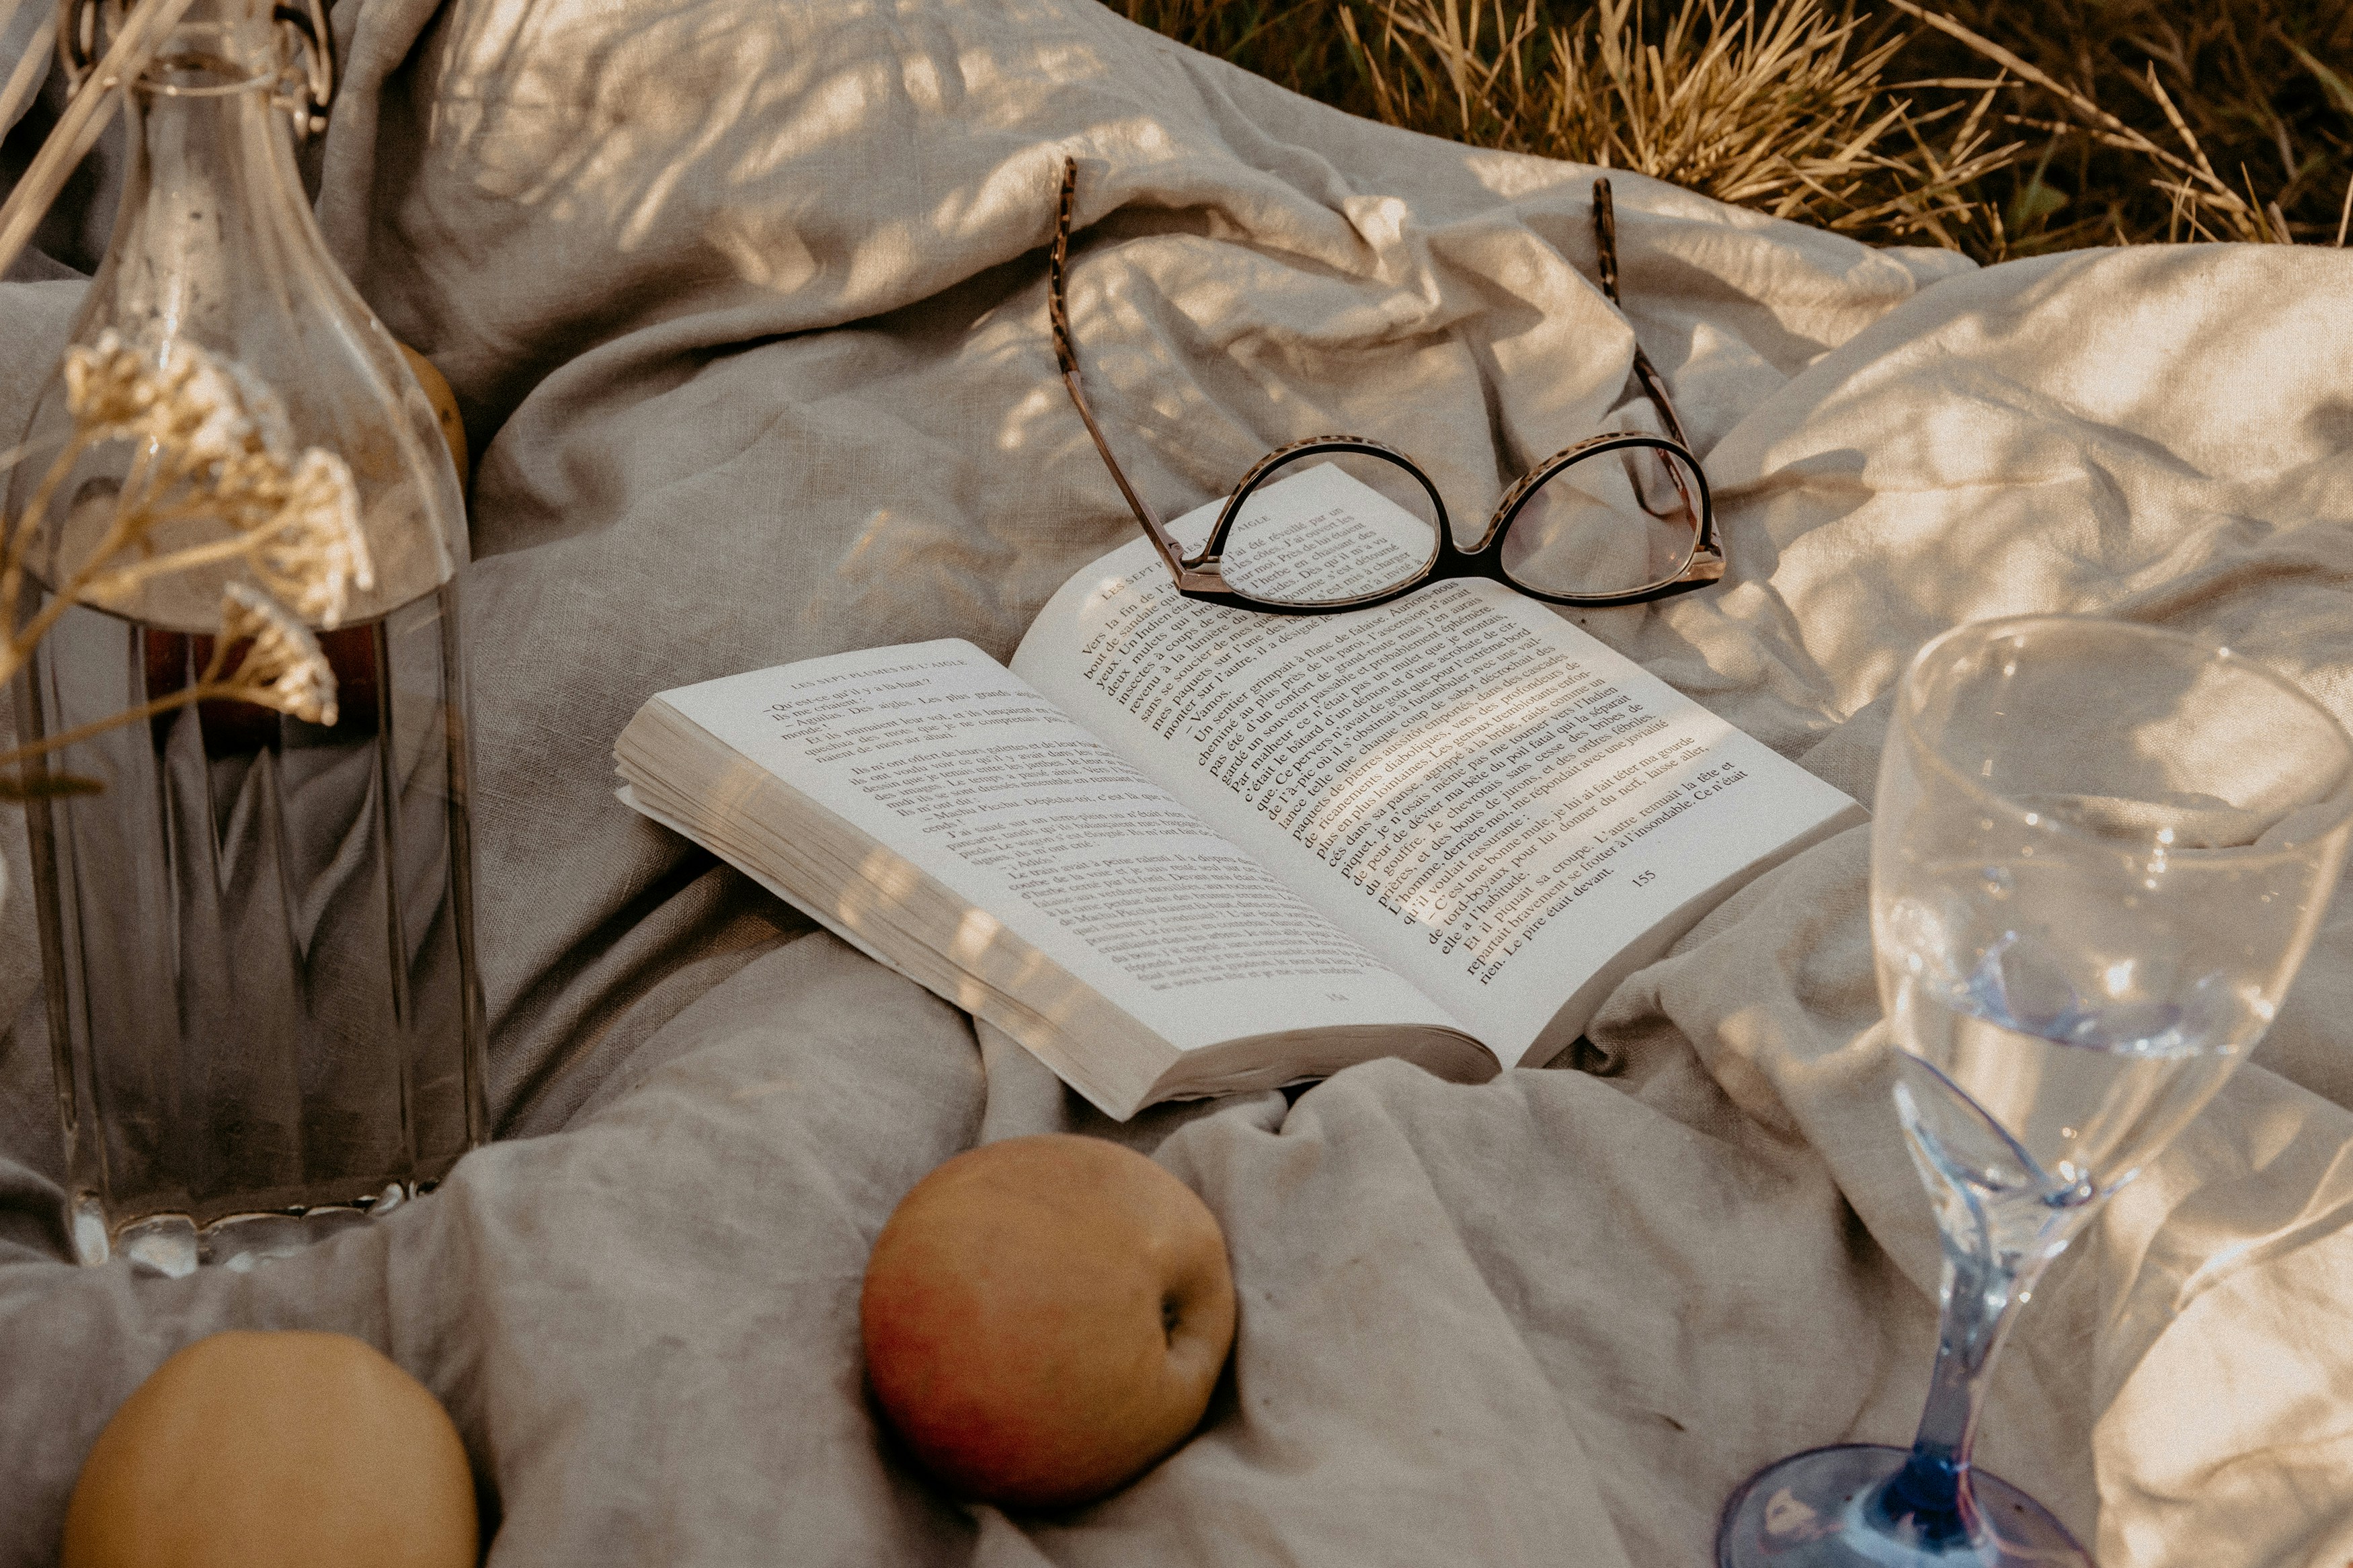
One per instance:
(215,252)
(211,198)
(211,94)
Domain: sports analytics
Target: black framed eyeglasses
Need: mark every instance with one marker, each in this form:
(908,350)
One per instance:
(1620,518)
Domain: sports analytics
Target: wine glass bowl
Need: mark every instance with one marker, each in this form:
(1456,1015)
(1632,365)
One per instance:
(2100,852)
(2099,856)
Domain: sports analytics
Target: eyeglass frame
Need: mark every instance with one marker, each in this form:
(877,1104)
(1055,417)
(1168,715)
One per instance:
(1203,576)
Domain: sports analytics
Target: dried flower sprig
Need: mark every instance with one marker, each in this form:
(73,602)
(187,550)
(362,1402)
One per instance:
(282,660)
(211,445)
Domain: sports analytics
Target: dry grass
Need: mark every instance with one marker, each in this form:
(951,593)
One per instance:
(1787,110)
(1983,125)
(2221,120)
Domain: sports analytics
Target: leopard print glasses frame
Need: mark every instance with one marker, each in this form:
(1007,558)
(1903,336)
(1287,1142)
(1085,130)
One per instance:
(1620,518)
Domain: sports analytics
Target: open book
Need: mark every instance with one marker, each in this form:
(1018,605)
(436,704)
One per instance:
(1180,850)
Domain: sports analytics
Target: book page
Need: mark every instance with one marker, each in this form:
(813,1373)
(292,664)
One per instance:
(1487,798)
(942,754)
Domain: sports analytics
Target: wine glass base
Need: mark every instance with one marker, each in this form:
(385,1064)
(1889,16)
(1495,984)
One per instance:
(1813,1511)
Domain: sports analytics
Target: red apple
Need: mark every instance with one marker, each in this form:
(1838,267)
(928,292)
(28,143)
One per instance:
(1045,1317)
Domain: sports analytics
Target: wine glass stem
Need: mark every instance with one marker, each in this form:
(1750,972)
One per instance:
(1982,1291)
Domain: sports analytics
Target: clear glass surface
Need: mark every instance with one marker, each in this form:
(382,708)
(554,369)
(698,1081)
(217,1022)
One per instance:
(260,977)
(1284,560)
(2100,852)
(1610,522)
(261,982)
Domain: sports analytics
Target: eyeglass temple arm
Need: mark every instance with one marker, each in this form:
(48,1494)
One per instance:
(1605,245)
(1605,233)
(1058,313)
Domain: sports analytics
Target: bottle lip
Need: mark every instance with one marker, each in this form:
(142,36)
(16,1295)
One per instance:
(215,76)
(308,74)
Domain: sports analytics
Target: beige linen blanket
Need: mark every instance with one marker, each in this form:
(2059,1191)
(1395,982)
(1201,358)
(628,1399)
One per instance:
(746,303)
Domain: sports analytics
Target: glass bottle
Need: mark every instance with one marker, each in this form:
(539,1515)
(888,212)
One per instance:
(256,933)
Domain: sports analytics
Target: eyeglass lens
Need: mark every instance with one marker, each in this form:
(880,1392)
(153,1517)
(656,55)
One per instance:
(1346,524)
(1324,527)
(1614,521)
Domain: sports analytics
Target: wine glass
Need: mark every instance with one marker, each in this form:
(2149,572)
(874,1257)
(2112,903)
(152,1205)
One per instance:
(2100,853)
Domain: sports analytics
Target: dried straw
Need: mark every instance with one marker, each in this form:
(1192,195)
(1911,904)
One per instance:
(2101,122)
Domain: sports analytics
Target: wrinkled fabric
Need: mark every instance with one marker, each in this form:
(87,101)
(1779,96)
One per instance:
(744,304)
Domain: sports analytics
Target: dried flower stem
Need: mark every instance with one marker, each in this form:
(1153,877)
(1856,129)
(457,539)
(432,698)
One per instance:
(78,129)
(21,528)
(209,690)
(123,579)
(26,79)
(209,443)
